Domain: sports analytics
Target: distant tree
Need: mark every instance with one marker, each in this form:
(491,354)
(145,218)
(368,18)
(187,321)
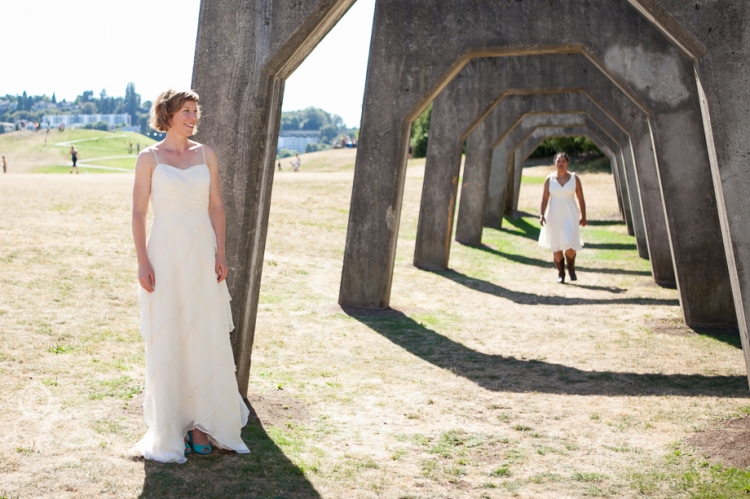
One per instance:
(570,145)
(328,133)
(316,146)
(99,125)
(54,99)
(420,132)
(87,96)
(22,102)
(285,153)
(89,108)
(132,102)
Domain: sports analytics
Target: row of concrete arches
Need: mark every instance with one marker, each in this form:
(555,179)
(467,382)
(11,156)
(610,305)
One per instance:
(660,83)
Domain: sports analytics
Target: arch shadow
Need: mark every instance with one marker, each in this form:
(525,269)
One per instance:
(526,260)
(265,472)
(508,374)
(523,298)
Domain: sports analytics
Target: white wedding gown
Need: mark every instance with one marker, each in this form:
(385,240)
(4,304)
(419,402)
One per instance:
(185,322)
(562,230)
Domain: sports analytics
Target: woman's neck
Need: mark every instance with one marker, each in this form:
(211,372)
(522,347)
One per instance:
(176,142)
(561,172)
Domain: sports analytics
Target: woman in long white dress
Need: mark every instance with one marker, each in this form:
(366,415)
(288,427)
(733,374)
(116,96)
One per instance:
(191,399)
(559,219)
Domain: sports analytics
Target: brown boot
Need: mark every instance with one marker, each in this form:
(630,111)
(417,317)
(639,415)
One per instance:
(560,271)
(572,268)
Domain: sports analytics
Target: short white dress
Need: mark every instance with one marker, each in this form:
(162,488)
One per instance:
(562,230)
(185,322)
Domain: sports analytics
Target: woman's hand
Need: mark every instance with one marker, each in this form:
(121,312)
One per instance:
(221,268)
(542,220)
(583,221)
(146,277)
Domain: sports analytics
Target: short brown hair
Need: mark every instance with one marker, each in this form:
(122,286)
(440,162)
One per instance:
(167,104)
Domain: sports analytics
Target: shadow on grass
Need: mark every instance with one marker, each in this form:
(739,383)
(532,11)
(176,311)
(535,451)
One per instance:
(547,264)
(509,374)
(523,298)
(264,473)
(730,336)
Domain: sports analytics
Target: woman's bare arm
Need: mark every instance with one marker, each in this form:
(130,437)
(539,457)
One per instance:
(144,167)
(216,213)
(581,201)
(545,200)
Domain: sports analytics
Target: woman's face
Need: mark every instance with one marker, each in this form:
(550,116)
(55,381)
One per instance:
(184,120)
(561,162)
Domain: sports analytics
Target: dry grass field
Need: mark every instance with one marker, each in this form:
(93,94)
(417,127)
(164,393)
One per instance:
(487,380)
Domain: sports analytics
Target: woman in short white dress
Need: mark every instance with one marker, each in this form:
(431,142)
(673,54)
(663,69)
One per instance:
(191,397)
(559,219)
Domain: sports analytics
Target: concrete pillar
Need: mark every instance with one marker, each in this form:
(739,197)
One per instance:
(244,51)
(716,36)
(628,50)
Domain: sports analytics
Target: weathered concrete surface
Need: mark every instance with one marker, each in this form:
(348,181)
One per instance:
(244,51)
(717,36)
(414,56)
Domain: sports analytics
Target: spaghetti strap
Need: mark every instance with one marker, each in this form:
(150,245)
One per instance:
(203,150)
(157,157)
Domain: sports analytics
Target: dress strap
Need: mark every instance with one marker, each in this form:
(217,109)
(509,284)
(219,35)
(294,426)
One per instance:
(203,149)
(157,157)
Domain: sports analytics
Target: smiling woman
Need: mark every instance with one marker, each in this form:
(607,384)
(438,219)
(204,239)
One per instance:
(191,398)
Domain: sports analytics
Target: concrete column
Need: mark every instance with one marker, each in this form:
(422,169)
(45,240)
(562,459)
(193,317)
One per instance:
(716,35)
(244,51)
(411,62)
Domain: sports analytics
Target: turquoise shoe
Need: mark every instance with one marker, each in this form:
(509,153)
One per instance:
(199,449)
(188,449)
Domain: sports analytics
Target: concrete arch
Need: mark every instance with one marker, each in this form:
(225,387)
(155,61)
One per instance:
(480,91)
(537,136)
(599,135)
(498,28)
(245,49)
(478,207)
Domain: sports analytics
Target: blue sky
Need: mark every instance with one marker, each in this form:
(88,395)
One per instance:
(76,45)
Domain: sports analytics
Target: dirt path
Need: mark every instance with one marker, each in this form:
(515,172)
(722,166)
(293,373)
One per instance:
(488,380)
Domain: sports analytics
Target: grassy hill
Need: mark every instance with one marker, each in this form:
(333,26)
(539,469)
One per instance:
(43,152)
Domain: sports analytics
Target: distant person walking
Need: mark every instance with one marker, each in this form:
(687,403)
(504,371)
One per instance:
(138,148)
(74,155)
(5,166)
(559,219)
(279,166)
(130,148)
(296,163)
